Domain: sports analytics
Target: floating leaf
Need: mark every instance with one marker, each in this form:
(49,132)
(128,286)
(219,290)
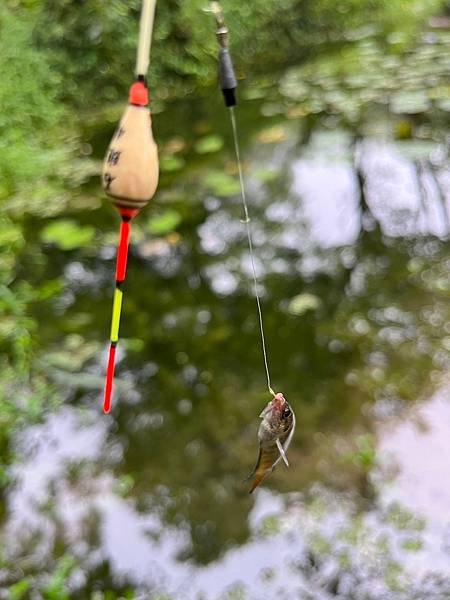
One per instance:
(10,234)
(133,344)
(302,303)
(73,356)
(266,175)
(412,545)
(209,144)
(444,104)
(416,149)
(254,93)
(412,102)
(272,135)
(19,589)
(124,485)
(222,184)
(164,223)
(67,234)
(296,112)
(174,145)
(171,163)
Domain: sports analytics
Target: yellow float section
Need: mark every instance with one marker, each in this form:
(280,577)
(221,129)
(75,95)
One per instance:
(117,307)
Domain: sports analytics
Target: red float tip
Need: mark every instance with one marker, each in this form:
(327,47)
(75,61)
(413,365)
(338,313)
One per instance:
(139,94)
(109,379)
(128,213)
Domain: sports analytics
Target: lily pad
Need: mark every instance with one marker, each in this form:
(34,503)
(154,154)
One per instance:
(411,102)
(171,163)
(273,135)
(164,223)
(267,175)
(10,234)
(444,104)
(222,184)
(67,234)
(209,144)
(302,303)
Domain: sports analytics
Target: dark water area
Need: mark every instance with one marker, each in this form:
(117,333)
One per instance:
(349,193)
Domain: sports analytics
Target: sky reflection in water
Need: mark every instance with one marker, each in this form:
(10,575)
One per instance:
(355,289)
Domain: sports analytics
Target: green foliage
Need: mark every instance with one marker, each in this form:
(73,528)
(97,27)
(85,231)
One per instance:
(171,163)
(364,455)
(209,144)
(67,234)
(56,588)
(33,151)
(371,71)
(302,303)
(164,223)
(221,184)
(92,44)
(19,589)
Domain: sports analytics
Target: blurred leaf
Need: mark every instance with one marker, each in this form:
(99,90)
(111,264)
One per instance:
(412,545)
(57,588)
(50,289)
(209,144)
(222,184)
(414,102)
(273,135)
(133,344)
(10,234)
(266,175)
(171,163)
(302,303)
(67,234)
(124,485)
(164,223)
(19,589)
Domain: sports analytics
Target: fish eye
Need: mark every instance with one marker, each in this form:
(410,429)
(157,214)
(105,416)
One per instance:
(287,413)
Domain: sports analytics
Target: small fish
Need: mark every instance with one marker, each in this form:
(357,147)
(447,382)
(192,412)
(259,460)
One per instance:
(274,434)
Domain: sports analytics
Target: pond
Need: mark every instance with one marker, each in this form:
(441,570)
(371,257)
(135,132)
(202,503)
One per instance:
(347,176)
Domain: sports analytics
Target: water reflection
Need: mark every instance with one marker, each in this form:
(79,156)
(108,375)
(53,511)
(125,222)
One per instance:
(319,543)
(350,237)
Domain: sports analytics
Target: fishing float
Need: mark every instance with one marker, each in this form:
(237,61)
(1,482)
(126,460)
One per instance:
(130,175)
(278,419)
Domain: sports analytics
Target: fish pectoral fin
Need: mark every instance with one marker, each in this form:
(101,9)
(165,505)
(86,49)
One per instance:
(282,453)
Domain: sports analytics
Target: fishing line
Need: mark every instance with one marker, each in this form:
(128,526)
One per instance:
(277,429)
(247,222)
(228,84)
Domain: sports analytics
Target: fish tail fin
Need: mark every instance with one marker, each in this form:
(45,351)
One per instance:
(258,479)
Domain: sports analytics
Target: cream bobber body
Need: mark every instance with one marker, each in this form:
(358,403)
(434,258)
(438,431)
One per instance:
(131,167)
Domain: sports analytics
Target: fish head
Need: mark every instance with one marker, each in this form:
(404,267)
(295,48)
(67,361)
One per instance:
(277,417)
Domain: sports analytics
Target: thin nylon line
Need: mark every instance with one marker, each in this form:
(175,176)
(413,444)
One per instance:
(250,246)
